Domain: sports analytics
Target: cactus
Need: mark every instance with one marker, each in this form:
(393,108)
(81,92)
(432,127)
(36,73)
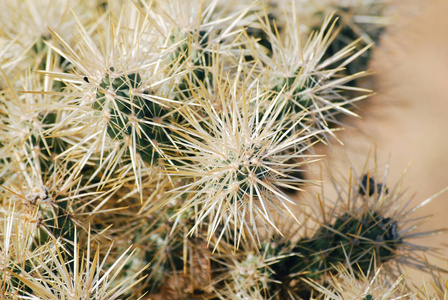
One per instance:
(162,150)
(127,109)
(360,238)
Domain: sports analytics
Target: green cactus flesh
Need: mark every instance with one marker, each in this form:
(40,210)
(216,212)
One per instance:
(200,60)
(357,239)
(126,106)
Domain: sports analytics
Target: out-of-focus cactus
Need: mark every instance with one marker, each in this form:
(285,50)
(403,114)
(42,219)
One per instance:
(363,233)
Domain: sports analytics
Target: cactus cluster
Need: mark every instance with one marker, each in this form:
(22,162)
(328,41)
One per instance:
(161,150)
(362,234)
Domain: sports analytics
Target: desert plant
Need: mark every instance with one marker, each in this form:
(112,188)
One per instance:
(175,138)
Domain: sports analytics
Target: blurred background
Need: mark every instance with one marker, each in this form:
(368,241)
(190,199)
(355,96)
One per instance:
(406,121)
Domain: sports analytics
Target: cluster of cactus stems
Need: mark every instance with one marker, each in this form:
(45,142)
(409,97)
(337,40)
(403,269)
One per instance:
(161,150)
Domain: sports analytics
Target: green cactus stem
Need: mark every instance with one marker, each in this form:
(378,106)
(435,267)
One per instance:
(126,107)
(199,59)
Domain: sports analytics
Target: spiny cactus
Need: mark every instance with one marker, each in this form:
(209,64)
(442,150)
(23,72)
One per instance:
(241,161)
(196,60)
(156,146)
(82,278)
(128,110)
(365,235)
(376,284)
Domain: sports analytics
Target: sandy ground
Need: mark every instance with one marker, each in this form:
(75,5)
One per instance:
(408,119)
